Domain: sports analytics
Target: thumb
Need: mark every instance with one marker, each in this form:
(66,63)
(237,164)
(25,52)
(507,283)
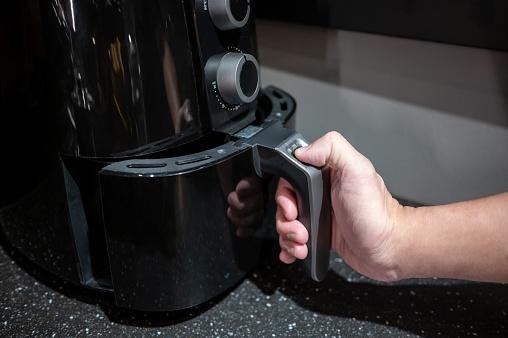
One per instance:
(331,150)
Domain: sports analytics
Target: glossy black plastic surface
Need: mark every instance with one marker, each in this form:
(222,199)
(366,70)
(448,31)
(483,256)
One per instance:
(27,130)
(239,8)
(87,83)
(180,230)
(170,241)
(118,79)
(213,42)
(163,230)
(122,76)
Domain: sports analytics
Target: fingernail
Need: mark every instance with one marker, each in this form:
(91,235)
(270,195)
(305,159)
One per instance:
(290,236)
(290,250)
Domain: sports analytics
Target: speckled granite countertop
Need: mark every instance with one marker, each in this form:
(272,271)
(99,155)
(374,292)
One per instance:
(274,301)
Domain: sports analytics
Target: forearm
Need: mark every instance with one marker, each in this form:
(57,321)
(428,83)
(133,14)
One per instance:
(467,240)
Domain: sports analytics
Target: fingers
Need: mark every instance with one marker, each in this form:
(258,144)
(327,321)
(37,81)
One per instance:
(330,150)
(291,252)
(286,200)
(295,250)
(285,257)
(292,239)
(293,231)
(287,213)
(293,236)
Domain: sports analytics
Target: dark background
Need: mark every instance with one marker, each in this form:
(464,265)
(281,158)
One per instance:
(477,23)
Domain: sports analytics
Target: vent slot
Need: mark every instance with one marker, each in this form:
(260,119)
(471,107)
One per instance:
(194,160)
(146,165)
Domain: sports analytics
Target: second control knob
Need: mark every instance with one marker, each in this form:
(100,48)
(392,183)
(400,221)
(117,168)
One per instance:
(229,14)
(238,78)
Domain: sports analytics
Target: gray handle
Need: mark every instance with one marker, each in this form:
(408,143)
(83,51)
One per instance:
(313,189)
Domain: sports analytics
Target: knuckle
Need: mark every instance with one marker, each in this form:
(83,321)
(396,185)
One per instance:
(282,228)
(281,243)
(334,136)
(303,235)
(284,245)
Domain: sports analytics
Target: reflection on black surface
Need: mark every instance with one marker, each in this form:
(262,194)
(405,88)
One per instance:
(180,112)
(121,74)
(246,206)
(170,242)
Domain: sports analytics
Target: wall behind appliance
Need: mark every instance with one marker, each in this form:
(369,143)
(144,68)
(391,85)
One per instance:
(432,117)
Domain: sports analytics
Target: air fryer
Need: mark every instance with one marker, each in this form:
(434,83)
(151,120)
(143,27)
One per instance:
(141,119)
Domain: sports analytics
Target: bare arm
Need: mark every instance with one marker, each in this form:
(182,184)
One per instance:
(467,240)
(385,241)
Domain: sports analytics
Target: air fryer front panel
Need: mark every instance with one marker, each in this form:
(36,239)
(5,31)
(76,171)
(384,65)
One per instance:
(121,76)
(226,40)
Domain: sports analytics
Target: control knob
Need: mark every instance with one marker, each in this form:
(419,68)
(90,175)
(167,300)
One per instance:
(229,14)
(238,78)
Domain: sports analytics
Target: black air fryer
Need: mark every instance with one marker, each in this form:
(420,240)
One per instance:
(145,147)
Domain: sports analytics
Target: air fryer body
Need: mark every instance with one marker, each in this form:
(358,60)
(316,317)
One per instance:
(88,84)
(128,77)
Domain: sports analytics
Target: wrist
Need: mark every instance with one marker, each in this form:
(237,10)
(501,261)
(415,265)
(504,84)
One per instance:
(404,235)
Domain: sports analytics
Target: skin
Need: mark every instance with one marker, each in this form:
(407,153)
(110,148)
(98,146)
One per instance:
(386,241)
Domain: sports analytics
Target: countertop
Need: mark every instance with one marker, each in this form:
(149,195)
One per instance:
(273,301)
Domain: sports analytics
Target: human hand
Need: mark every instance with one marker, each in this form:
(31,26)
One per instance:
(363,211)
